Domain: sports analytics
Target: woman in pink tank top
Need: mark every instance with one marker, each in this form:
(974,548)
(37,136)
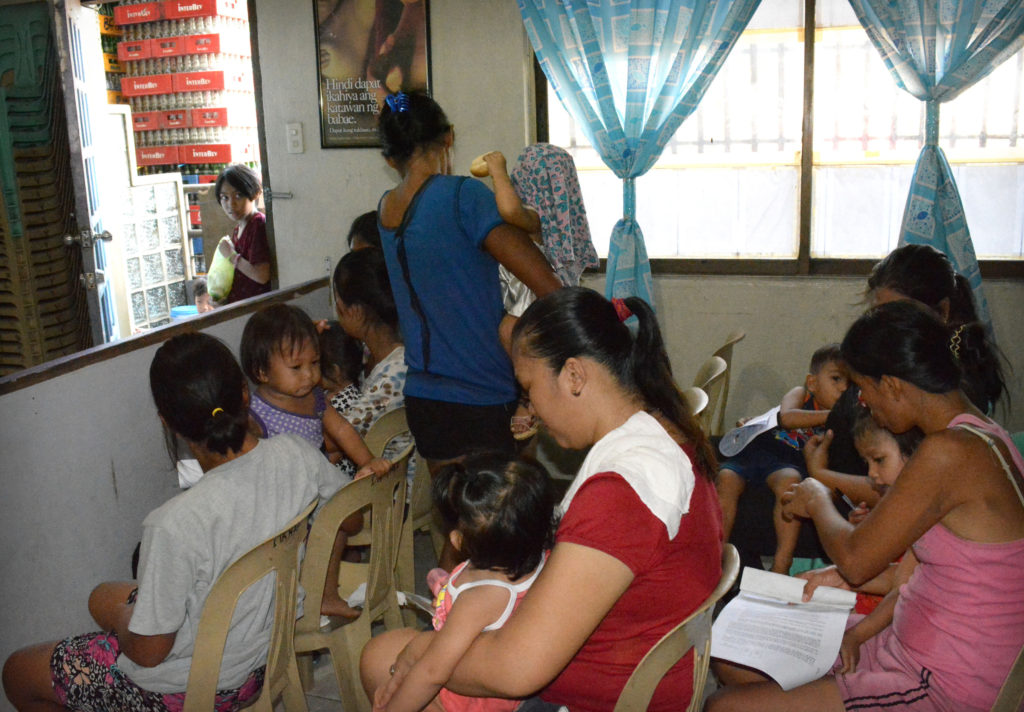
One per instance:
(946,635)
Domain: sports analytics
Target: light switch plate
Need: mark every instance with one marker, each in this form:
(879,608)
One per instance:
(293,134)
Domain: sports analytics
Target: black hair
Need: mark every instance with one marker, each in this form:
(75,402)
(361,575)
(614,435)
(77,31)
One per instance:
(912,343)
(922,273)
(365,228)
(271,331)
(361,279)
(240,177)
(576,321)
(829,353)
(199,288)
(503,507)
(864,424)
(422,124)
(340,352)
(200,392)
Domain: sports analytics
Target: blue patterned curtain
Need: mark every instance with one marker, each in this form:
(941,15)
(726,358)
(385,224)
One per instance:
(630,71)
(935,49)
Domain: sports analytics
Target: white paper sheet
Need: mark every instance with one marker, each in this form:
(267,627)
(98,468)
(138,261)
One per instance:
(792,642)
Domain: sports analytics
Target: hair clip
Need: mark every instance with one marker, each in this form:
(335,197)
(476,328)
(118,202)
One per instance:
(215,411)
(955,341)
(397,102)
(621,310)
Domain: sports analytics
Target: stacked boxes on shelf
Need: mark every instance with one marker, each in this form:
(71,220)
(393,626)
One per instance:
(109,36)
(189,82)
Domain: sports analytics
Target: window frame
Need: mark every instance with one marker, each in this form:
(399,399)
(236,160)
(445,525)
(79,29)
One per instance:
(803,264)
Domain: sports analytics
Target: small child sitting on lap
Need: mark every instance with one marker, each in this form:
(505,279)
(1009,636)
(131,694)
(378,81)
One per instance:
(775,458)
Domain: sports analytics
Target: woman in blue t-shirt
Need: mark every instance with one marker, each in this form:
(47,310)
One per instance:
(443,240)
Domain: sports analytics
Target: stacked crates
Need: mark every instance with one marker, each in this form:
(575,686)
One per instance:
(109,36)
(188,80)
(43,307)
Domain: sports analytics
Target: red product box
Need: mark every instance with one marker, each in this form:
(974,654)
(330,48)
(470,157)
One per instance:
(127,51)
(210,116)
(175,119)
(134,14)
(178,9)
(203,44)
(145,120)
(146,85)
(167,46)
(199,81)
(157,155)
(205,153)
(207,178)
(193,215)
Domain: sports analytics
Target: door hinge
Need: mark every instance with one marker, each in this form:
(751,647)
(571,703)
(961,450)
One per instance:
(90,280)
(86,238)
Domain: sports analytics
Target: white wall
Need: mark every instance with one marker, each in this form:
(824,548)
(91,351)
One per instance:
(479,57)
(83,462)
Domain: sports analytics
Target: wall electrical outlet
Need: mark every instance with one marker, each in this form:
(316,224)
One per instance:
(293,134)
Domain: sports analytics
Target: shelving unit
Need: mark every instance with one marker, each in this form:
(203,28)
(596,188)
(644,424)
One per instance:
(188,80)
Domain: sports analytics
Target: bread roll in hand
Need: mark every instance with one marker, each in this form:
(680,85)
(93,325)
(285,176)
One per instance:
(479,167)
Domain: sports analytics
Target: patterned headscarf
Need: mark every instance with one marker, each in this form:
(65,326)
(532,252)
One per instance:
(545,179)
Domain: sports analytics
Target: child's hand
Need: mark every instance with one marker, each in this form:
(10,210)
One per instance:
(816,452)
(495,161)
(857,515)
(849,651)
(828,576)
(322,326)
(378,467)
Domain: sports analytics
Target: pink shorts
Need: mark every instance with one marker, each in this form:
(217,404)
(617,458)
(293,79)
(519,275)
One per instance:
(888,679)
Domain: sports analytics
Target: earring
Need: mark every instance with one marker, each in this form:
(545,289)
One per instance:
(576,393)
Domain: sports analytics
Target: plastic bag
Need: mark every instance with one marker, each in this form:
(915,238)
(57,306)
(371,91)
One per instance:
(220,275)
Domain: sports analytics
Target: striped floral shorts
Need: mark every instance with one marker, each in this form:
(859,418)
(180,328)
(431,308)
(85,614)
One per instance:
(86,677)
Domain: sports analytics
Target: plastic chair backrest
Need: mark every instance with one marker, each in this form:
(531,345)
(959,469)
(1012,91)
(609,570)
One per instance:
(279,556)
(385,498)
(385,429)
(696,399)
(725,351)
(694,632)
(381,434)
(711,378)
(1011,694)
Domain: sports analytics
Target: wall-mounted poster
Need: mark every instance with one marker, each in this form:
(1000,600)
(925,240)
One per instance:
(367,50)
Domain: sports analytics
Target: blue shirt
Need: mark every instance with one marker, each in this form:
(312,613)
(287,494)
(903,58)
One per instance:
(456,281)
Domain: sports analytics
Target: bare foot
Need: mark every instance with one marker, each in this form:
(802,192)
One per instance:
(337,606)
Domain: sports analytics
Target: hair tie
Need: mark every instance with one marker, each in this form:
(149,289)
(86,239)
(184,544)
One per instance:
(397,102)
(621,310)
(215,411)
(955,341)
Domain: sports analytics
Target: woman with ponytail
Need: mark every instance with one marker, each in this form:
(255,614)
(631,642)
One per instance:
(443,240)
(946,635)
(639,544)
(251,488)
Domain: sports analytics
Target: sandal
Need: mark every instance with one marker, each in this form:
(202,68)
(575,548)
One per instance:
(524,426)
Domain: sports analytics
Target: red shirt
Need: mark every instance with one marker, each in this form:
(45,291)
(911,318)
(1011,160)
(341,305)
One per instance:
(671,579)
(253,247)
